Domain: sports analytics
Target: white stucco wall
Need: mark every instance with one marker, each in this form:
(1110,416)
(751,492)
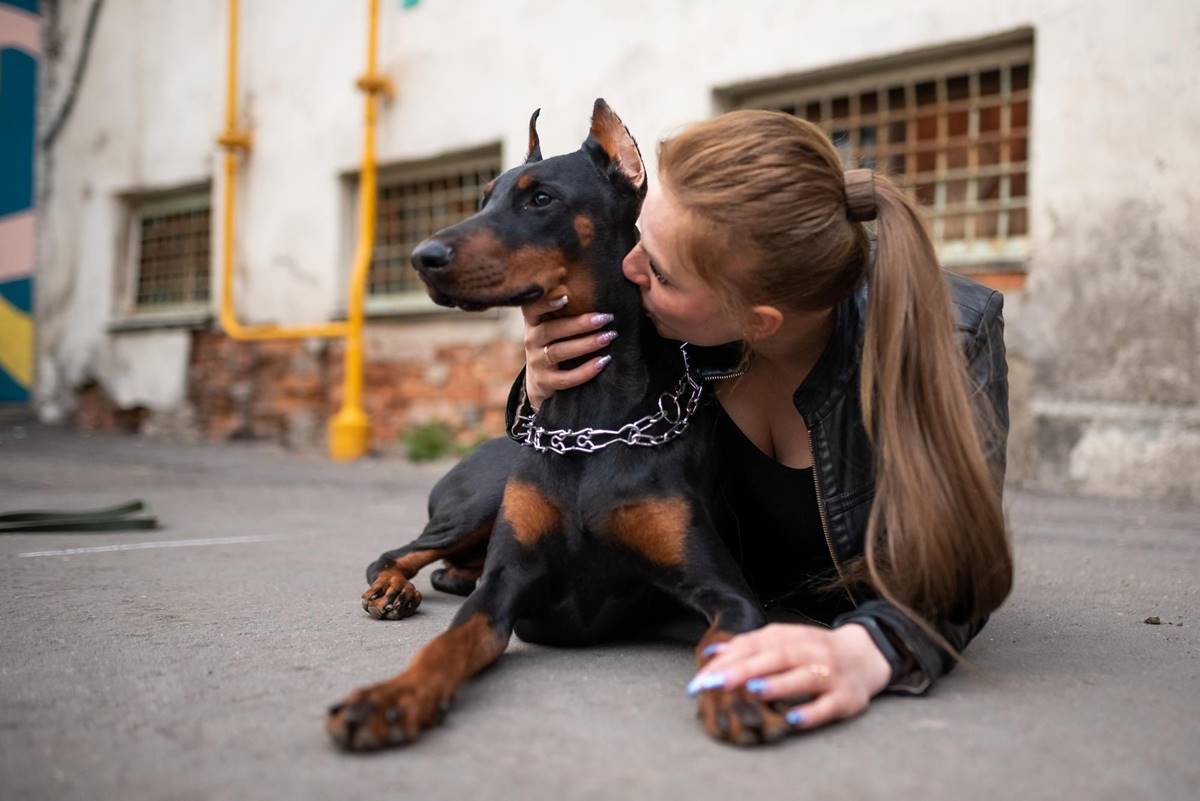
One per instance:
(1110,316)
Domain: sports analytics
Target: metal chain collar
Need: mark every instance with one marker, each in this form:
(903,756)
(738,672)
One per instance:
(674,414)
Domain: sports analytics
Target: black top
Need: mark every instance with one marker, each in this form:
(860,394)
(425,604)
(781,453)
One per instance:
(771,523)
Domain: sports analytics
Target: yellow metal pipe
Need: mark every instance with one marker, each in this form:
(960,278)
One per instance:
(234,140)
(349,429)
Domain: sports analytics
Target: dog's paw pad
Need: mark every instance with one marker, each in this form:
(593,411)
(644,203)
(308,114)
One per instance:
(736,716)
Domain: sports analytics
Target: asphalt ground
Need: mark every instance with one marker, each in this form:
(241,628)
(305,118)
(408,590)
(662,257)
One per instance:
(203,671)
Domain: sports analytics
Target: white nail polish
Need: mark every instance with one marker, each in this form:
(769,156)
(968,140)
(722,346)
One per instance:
(558,303)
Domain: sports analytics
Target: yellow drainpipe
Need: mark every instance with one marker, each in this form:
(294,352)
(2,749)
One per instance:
(349,428)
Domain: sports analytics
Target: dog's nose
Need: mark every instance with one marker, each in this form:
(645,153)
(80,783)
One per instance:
(431,255)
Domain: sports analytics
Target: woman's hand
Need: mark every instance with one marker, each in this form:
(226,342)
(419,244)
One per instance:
(841,669)
(554,341)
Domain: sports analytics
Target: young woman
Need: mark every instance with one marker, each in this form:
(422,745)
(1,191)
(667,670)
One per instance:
(862,445)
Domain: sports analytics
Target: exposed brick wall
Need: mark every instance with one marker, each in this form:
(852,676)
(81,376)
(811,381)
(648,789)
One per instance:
(274,389)
(286,391)
(464,386)
(95,411)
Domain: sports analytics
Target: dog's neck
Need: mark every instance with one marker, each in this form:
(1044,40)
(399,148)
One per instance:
(644,365)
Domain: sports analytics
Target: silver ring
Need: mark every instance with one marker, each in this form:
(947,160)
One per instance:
(546,352)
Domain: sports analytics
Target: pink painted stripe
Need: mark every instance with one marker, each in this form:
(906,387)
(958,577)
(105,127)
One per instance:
(21,30)
(16,245)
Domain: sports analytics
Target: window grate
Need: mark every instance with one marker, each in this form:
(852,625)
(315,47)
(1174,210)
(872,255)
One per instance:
(955,134)
(173,258)
(415,202)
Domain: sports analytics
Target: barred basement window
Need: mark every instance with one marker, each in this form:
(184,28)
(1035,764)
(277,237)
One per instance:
(954,132)
(172,238)
(417,200)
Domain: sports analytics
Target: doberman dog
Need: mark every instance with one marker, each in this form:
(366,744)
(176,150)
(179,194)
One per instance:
(582,541)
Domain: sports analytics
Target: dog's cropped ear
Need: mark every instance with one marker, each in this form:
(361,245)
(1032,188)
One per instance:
(535,144)
(612,147)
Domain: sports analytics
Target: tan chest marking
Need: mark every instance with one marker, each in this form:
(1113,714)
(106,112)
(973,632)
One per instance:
(656,529)
(529,512)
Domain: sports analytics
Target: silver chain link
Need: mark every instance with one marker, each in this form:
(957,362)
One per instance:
(674,414)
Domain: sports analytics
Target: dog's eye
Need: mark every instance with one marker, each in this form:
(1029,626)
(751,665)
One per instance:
(541,199)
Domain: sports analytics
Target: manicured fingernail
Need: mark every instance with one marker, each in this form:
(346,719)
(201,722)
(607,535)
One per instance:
(558,303)
(795,717)
(602,362)
(757,686)
(715,648)
(606,337)
(601,319)
(705,681)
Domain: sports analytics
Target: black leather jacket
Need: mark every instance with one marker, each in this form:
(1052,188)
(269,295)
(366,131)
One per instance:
(829,402)
(843,462)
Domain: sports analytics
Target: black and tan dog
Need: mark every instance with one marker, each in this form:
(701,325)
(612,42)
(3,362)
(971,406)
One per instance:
(579,547)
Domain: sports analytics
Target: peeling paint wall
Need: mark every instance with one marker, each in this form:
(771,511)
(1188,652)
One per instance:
(1111,323)
(1103,340)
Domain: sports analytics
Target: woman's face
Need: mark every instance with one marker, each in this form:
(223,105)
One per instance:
(681,305)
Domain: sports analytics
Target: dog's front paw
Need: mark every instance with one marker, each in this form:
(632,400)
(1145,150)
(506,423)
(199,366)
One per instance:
(389,714)
(737,716)
(391,596)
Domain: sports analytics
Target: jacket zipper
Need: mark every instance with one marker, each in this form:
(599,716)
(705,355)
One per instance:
(723,376)
(824,521)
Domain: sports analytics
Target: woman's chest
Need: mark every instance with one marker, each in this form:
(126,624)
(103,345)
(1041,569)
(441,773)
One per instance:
(768,418)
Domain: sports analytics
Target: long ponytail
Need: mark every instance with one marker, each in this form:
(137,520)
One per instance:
(936,541)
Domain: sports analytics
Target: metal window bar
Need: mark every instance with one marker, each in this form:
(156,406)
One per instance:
(415,203)
(954,134)
(173,262)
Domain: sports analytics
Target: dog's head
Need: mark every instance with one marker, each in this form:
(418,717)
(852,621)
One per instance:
(549,225)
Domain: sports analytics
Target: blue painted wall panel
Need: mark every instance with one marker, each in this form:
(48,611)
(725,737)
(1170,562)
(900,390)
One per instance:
(18,84)
(25,5)
(19,293)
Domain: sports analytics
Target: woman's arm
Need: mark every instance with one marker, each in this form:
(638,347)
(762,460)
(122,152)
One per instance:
(916,661)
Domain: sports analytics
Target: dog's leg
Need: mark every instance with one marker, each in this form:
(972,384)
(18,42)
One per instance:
(690,563)
(732,714)
(458,575)
(462,509)
(396,711)
(392,595)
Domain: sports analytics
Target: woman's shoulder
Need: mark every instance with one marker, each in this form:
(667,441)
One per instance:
(975,305)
